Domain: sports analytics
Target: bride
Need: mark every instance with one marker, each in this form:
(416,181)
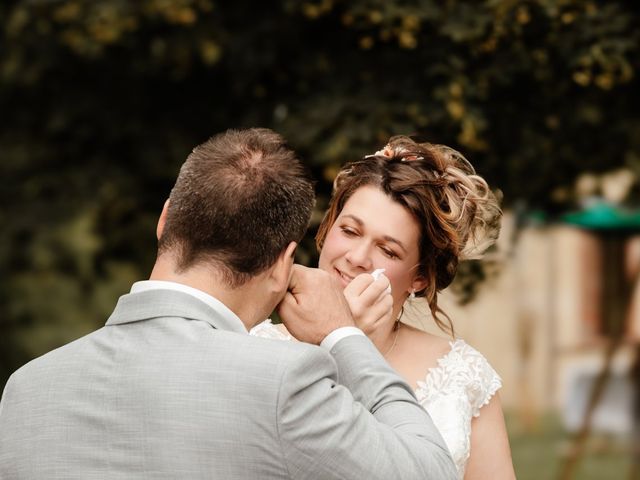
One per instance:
(414,210)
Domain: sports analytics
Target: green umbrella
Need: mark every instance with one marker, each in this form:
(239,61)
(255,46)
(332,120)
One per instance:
(605,217)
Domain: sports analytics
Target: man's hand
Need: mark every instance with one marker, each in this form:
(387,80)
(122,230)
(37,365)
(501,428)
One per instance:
(370,302)
(314,305)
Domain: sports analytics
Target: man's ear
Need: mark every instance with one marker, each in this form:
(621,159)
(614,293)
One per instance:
(162,220)
(281,271)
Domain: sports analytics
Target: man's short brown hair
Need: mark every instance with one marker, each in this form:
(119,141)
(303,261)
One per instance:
(240,198)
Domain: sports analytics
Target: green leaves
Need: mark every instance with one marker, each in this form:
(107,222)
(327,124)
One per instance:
(103,100)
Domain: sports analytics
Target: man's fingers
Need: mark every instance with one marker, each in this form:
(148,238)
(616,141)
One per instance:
(313,305)
(294,281)
(297,282)
(286,307)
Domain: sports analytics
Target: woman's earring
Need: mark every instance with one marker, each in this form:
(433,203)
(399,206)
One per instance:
(412,295)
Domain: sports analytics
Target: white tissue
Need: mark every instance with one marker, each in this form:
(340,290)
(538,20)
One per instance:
(376,275)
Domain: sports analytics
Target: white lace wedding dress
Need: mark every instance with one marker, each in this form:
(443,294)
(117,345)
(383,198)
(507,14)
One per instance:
(452,392)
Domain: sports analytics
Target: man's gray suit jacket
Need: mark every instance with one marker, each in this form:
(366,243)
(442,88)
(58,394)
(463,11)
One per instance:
(169,389)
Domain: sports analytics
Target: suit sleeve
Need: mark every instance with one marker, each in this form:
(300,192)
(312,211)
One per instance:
(2,400)
(352,416)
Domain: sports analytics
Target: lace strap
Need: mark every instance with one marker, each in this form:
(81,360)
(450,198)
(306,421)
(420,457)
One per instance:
(463,371)
(483,381)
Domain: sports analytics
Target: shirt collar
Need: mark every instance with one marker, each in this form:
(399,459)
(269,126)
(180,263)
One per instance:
(217,305)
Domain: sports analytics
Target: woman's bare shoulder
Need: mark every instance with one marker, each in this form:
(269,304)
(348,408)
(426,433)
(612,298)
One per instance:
(426,345)
(417,352)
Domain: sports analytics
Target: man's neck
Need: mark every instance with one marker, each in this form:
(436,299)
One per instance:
(244,301)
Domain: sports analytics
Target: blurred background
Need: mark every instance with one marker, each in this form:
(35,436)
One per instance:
(102,100)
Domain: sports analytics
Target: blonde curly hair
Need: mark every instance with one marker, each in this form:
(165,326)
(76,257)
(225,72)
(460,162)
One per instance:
(457,213)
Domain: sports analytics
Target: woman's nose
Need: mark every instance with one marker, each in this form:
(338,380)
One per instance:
(359,256)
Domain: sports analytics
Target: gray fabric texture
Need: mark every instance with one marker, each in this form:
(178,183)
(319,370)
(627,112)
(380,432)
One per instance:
(168,390)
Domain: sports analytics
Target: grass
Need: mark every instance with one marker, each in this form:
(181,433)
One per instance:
(538,452)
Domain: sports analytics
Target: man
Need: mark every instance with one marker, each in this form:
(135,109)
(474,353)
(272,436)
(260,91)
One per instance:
(173,387)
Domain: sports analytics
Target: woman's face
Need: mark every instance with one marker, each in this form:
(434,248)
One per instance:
(371,232)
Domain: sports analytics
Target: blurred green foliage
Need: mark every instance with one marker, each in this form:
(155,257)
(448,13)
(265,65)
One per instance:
(102,100)
(538,451)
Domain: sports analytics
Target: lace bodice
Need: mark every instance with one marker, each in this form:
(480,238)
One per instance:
(453,392)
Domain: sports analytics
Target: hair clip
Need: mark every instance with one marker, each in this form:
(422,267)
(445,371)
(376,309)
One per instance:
(411,158)
(389,152)
(386,151)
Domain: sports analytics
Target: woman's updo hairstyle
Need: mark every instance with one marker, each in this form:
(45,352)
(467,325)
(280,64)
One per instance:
(458,215)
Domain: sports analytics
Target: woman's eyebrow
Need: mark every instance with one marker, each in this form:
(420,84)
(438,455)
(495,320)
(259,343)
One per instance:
(386,238)
(396,241)
(354,218)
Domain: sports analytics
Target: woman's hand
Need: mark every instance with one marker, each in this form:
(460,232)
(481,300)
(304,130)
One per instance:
(370,301)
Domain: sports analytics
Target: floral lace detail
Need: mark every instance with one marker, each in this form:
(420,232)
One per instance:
(454,392)
(267,329)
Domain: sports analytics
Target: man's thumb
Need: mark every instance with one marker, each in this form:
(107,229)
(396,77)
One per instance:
(286,307)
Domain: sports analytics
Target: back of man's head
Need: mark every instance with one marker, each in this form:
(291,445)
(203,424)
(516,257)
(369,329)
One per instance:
(240,198)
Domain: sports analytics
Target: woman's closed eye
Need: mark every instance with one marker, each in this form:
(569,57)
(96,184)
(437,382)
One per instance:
(349,232)
(389,253)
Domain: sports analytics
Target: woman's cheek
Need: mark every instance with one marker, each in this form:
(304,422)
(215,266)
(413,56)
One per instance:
(398,282)
(332,248)
(393,280)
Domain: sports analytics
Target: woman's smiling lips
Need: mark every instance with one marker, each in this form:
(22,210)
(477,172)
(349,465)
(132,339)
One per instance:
(344,278)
